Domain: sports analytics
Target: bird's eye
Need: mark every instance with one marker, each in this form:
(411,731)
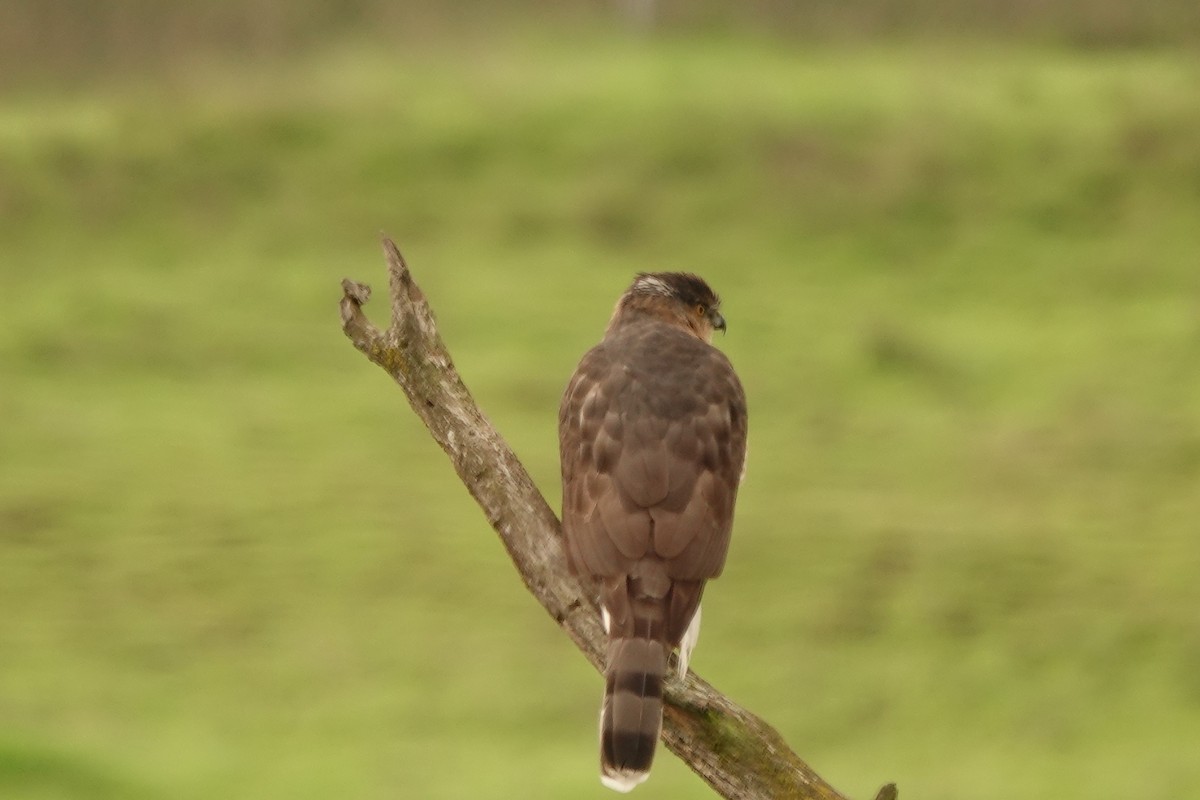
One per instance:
(699,310)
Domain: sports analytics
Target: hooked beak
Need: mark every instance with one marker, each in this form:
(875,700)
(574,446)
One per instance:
(717,321)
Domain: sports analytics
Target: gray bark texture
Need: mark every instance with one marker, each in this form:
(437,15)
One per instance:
(739,755)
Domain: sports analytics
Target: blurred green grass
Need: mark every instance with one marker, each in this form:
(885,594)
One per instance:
(963,294)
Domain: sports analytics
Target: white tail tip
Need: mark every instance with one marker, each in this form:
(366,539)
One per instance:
(623,781)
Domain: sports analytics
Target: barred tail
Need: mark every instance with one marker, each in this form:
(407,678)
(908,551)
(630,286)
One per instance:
(631,717)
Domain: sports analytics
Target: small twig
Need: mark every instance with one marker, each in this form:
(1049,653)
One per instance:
(737,753)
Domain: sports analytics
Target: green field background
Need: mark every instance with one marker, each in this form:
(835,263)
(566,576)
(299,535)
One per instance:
(961,270)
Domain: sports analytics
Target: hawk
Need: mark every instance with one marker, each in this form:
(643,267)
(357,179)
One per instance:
(652,436)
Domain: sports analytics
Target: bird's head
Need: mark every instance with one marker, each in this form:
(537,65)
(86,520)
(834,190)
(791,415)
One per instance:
(678,298)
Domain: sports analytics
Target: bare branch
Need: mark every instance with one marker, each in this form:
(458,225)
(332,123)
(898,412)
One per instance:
(737,753)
